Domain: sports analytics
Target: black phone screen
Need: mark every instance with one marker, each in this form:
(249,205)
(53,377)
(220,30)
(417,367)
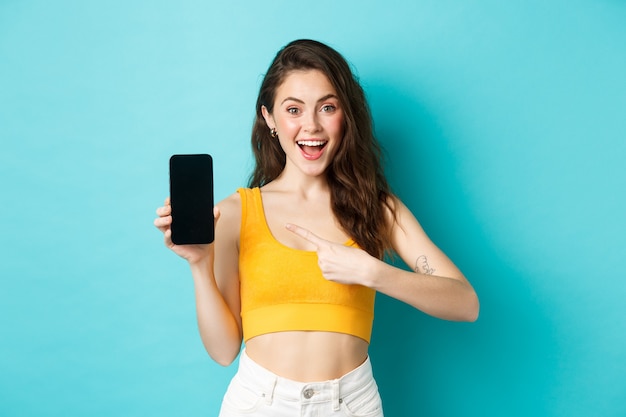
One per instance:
(191,197)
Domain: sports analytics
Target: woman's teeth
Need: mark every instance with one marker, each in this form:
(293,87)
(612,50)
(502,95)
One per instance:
(312,149)
(311,142)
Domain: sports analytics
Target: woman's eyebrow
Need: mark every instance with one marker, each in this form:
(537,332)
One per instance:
(328,96)
(297,100)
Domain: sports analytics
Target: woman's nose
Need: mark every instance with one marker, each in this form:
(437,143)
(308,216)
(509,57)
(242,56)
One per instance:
(311,123)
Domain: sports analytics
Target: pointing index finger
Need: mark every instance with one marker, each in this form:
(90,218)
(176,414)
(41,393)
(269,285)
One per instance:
(305,234)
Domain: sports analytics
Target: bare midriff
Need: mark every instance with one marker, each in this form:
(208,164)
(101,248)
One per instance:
(308,356)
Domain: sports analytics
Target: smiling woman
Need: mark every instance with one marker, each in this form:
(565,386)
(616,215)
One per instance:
(298,257)
(308,121)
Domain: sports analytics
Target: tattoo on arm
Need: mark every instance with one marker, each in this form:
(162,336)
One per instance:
(422,267)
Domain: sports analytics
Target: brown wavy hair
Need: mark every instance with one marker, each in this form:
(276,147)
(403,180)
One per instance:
(360,194)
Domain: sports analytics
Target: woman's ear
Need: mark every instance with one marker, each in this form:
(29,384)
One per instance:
(269,120)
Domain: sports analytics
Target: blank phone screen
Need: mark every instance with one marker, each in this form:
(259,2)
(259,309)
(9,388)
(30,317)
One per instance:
(191,194)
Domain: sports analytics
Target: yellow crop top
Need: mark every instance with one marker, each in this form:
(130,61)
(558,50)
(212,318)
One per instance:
(282,289)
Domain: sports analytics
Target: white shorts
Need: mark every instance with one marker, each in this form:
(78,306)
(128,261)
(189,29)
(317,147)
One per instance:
(255,391)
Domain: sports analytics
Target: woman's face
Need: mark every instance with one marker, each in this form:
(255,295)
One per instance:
(308,119)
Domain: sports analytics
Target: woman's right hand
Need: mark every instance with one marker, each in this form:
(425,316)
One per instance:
(192,253)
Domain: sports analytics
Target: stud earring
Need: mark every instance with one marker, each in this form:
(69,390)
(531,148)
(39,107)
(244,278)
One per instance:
(273,133)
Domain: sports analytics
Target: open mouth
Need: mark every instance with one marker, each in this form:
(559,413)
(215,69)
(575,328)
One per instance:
(312,149)
(312,145)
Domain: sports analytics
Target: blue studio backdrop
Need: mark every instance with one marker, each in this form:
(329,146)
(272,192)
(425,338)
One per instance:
(504,126)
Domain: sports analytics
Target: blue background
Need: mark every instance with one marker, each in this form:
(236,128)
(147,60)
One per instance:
(504,127)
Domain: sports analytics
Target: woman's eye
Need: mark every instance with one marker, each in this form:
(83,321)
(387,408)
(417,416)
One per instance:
(328,108)
(293,110)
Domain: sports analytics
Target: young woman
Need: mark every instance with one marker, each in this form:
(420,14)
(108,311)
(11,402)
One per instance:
(298,256)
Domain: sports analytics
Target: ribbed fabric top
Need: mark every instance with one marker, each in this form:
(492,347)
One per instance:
(282,289)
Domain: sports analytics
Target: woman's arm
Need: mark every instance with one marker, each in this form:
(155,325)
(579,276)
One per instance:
(214,269)
(435,286)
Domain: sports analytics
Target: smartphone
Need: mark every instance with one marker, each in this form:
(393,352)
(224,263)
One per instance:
(191,197)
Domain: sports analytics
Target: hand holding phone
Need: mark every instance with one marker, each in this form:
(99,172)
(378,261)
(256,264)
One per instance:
(191,195)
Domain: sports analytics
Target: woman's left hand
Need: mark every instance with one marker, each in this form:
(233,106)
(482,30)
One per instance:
(340,263)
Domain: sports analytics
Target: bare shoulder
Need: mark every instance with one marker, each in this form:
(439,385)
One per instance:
(405,228)
(229,220)
(399,215)
(415,247)
(230,203)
